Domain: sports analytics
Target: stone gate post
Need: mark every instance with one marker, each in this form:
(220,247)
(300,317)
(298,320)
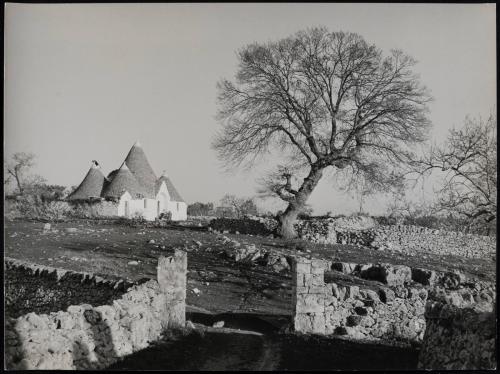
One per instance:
(172,281)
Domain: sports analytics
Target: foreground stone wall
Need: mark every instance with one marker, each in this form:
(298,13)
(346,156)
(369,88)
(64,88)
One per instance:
(459,338)
(369,311)
(89,337)
(44,289)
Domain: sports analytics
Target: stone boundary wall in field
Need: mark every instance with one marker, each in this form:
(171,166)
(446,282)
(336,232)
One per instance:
(43,289)
(401,238)
(458,338)
(95,209)
(368,311)
(364,231)
(249,226)
(417,239)
(89,337)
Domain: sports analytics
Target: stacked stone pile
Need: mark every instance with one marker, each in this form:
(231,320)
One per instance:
(317,231)
(458,338)
(411,240)
(452,285)
(88,337)
(343,230)
(361,237)
(354,223)
(250,253)
(361,312)
(415,239)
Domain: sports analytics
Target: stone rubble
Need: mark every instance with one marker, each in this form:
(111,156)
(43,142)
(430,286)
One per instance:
(360,312)
(459,337)
(250,253)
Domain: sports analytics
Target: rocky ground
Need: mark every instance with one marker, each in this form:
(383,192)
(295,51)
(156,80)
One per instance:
(239,278)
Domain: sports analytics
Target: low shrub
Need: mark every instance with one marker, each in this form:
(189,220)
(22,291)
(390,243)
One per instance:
(33,207)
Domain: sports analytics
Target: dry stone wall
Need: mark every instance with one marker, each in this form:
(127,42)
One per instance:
(249,225)
(368,311)
(94,337)
(85,209)
(459,338)
(450,314)
(411,240)
(44,289)
(415,239)
(364,231)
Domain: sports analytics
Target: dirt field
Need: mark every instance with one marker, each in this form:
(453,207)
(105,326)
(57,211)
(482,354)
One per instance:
(224,286)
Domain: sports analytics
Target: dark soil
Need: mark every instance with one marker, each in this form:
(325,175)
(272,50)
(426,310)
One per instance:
(224,349)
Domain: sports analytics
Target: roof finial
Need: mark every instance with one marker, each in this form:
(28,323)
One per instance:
(95,165)
(164,174)
(137,144)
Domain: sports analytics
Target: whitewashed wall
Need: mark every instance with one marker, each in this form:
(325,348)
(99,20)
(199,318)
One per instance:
(148,208)
(178,209)
(121,205)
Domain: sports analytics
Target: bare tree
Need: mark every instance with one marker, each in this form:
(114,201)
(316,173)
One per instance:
(468,159)
(241,206)
(18,169)
(322,99)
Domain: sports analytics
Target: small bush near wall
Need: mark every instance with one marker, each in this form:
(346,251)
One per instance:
(34,208)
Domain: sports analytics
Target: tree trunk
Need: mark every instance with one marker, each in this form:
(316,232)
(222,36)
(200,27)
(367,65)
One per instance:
(287,220)
(19,185)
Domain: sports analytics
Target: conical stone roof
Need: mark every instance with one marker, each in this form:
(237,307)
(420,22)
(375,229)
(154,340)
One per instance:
(123,181)
(172,191)
(91,185)
(138,164)
(112,175)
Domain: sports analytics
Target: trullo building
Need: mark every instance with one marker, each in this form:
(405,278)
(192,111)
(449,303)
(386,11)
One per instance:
(132,190)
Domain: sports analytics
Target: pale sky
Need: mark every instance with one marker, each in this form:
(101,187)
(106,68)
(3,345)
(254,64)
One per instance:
(85,81)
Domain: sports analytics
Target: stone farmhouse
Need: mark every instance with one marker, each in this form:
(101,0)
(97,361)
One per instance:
(134,190)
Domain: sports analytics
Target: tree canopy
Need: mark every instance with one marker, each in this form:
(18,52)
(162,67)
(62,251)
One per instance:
(322,99)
